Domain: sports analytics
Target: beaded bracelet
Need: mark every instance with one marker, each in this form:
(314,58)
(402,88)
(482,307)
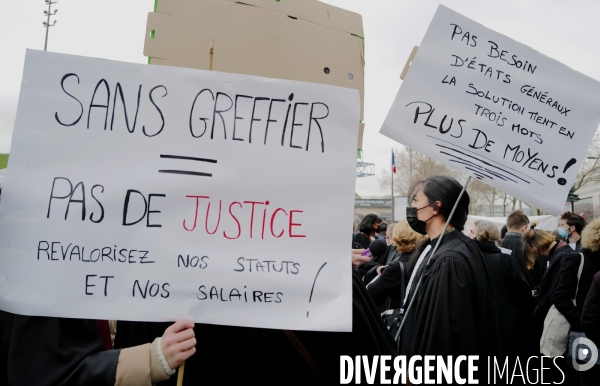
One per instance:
(163,360)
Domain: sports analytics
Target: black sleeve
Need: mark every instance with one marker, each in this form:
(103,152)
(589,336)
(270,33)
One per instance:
(363,240)
(557,255)
(590,316)
(371,273)
(566,288)
(388,282)
(363,269)
(59,352)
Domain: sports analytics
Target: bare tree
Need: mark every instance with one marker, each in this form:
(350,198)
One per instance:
(414,166)
(481,196)
(590,167)
(506,201)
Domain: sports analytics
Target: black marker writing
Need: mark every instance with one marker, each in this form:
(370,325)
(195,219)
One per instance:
(60,184)
(147,208)
(226,113)
(101,100)
(119,91)
(542,97)
(62,85)
(429,111)
(512,61)
(151,289)
(471,40)
(313,286)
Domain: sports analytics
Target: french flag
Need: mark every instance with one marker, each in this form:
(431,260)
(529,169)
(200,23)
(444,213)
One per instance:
(393,162)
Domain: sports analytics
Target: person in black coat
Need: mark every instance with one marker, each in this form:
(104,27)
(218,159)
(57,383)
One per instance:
(510,289)
(590,322)
(590,315)
(550,280)
(555,260)
(453,310)
(571,287)
(536,247)
(368,271)
(516,225)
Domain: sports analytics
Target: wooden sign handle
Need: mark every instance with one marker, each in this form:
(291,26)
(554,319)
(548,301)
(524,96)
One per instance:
(180,374)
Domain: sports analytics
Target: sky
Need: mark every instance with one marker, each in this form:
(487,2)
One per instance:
(115,29)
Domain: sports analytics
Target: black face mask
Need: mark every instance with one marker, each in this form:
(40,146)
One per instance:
(416,224)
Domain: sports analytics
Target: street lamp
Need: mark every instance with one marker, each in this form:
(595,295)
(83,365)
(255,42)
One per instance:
(47,24)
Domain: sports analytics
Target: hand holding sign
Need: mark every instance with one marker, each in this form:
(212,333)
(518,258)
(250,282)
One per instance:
(178,343)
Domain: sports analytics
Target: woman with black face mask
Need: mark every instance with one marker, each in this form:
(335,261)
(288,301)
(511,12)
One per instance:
(454,312)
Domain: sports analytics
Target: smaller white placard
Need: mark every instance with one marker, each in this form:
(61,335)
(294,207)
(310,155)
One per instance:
(497,110)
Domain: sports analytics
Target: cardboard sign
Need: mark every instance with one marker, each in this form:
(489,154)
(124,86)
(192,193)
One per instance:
(140,192)
(496,110)
(309,41)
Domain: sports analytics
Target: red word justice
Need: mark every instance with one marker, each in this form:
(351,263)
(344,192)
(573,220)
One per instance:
(268,218)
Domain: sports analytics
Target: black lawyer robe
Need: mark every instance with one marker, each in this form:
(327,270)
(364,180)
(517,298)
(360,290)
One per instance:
(242,355)
(454,312)
(514,242)
(44,351)
(511,292)
(368,271)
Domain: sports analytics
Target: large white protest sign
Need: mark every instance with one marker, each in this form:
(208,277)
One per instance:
(151,193)
(496,110)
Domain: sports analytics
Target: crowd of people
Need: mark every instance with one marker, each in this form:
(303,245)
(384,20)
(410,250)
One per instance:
(452,291)
(487,292)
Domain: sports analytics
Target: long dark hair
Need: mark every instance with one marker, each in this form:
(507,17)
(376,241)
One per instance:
(366,225)
(445,190)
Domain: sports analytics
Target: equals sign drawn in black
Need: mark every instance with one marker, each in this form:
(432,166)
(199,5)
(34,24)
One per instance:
(200,174)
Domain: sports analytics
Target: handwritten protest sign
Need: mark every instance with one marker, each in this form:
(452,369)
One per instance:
(150,193)
(496,110)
